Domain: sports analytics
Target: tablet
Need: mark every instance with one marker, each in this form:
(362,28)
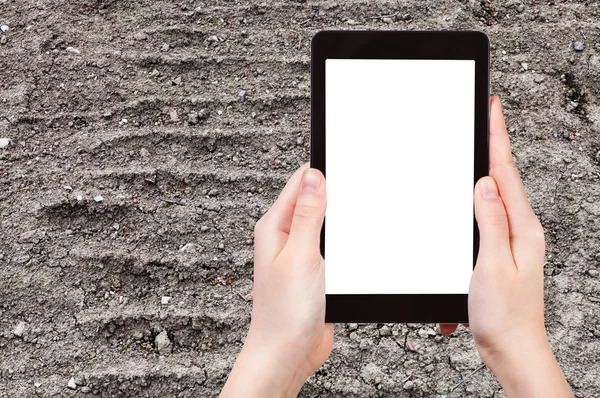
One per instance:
(399,128)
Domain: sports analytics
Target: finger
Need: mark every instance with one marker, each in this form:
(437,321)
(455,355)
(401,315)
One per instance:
(272,230)
(305,231)
(525,231)
(521,217)
(494,241)
(448,328)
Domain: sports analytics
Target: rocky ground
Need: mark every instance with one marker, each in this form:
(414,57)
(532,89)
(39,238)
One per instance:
(146,139)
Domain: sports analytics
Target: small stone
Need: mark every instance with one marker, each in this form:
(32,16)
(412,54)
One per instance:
(524,65)
(165,47)
(385,331)
(593,273)
(520,8)
(163,344)
(4,28)
(408,385)
(242,95)
(387,20)
(219,112)
(204,228)
(37,384)
(85,389)
(79,198)
(4,142)
(203,114)
(352,326)
(19,329)
(144,153)
(73,50)
(578,46)
(351,22)
(189,248)
(597,333)
(164,300)
(71,384)
(98,198)
(407,17)
(212,39)
(176,81)
(140,36)
(174,115)
(193,118)
(3,39)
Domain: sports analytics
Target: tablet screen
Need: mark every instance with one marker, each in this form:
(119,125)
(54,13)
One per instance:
(399,149)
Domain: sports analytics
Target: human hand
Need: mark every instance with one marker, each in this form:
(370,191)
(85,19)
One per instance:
(506,295)
(288,339)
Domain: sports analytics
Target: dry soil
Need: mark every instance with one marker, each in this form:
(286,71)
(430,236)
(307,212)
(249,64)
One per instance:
(135,173)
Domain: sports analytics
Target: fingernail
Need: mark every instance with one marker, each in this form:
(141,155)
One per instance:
(489,189)
(311,180)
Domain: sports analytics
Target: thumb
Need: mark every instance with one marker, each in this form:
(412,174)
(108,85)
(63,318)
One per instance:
(305,231)
(494,241)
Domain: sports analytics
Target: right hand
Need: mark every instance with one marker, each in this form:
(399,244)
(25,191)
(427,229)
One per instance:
(506,295)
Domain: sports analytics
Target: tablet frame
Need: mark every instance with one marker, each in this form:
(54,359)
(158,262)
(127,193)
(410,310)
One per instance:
(438,45)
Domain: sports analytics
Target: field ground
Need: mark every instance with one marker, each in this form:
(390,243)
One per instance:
(138,102)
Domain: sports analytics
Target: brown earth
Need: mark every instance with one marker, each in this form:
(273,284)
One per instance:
(94,103)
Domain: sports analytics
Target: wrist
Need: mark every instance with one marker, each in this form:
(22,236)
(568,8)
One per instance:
(525,365)
(263,371)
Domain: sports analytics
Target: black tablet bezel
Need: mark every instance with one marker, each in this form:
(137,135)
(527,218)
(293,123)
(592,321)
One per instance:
(412,308)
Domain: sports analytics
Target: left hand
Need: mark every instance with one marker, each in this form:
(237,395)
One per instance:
(288,339)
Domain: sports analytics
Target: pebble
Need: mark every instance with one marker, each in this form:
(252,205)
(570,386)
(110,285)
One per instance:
(408,385)
(4,142)
(98,198)
(73,50)
(203,113)
(578,46)
(520,8)
(593,273)
(524,65)
(164,300)
(387,20)
(140,36)
(79,198)
(19,329)
(242,95)
(193,118)
(4,28)
(204,228)
(144,153)
(165,47)
(37,384)
(3,39)
(163,344)
(385,331)
(176,81)
(212,39)
(174,116)
(71,384)
(352,326)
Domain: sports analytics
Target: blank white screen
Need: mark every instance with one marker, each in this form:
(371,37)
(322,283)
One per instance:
(399,162)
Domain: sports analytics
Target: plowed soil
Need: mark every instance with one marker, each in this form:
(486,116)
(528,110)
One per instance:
(136,172)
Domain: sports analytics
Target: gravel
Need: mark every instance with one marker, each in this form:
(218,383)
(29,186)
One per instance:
(163,343)
(4,142)
(19,329)
(578,46)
